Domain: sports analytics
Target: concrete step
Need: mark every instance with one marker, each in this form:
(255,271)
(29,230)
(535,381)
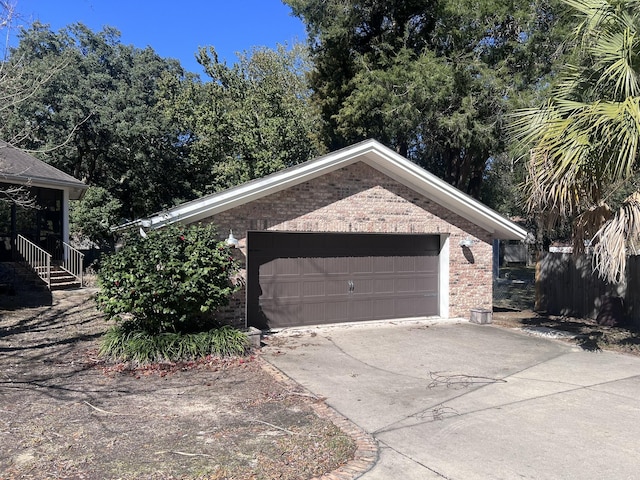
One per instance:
(60,278)
(67,285)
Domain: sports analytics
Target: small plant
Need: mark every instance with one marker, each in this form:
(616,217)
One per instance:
(142,347)
(162,291)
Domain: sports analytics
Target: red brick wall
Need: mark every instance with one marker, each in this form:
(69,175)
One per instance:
(359,198)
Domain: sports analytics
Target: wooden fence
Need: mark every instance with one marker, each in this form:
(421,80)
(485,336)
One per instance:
(567,285)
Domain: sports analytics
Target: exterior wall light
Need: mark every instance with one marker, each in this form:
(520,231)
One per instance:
(231,240)
(466,243)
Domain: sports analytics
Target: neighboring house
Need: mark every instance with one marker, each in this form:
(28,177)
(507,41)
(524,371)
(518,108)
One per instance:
(359,234)
(47,226)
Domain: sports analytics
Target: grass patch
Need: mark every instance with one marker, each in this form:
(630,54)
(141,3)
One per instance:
(139,346)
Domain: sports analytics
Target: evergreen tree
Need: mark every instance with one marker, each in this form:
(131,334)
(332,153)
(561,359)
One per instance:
(433,80)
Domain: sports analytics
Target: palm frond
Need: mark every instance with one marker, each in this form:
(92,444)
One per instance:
(614,239)
(587,224)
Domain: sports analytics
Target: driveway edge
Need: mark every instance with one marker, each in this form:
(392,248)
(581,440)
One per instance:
(366,454)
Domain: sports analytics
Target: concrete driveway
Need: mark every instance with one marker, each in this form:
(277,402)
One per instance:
(462,401)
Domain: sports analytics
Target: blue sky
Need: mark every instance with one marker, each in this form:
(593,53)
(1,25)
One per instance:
(176,28)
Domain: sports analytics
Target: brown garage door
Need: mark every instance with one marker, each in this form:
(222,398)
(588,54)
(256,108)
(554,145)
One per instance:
(315,278)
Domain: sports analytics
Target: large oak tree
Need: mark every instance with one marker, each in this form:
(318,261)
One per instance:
(96,116)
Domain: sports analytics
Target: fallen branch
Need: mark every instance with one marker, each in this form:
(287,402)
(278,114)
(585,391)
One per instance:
(184,454)
(276,427)
(440,412)
(105,411)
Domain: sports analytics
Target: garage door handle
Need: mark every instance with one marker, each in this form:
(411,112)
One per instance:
(351,286)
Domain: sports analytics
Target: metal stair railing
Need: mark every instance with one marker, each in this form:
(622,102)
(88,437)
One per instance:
(35,258)
(73,261)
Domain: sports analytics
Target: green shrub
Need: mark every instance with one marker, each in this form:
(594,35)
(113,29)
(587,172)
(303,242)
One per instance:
(169,282)
(143,347)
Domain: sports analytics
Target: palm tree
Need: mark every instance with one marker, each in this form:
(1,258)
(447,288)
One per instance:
(583,141)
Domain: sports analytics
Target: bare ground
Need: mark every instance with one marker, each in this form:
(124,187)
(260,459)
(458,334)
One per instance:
(66,414)
(585,333)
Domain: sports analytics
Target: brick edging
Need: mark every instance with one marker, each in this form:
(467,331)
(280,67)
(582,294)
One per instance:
(366,454)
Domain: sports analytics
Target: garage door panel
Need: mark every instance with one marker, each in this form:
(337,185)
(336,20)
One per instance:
(426,264)
(363,287)
(282,291)
(309,266)
(405,264)
(382,265)
(316,288)
(286,267)
(427,283)
(310,311)
(337,312)
(409,307)
(405,285)
(385,307)
(384,286)
(266,269)
(361,265)
(286,314)
(361,310)
(335,266)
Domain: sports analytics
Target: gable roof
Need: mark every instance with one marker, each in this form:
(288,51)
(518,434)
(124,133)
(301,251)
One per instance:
(20,168)
(370,152)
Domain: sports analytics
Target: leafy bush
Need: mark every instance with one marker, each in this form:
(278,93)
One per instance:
(169,282)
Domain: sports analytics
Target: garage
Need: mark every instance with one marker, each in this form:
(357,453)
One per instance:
(296,279)
(358,234)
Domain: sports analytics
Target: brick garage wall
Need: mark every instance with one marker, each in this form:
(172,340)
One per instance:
(359,198)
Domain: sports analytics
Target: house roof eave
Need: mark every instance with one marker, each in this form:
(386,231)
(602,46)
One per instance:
(209,205)
(369,151)
(76,189)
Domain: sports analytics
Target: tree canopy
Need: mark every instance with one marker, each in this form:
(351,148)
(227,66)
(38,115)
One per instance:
(432,80)
(134,123)
(247,120)
(97,116)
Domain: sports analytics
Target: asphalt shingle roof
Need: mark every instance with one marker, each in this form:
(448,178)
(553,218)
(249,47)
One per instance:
(18,167)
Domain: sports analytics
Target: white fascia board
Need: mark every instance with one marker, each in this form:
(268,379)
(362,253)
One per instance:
(76,190)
